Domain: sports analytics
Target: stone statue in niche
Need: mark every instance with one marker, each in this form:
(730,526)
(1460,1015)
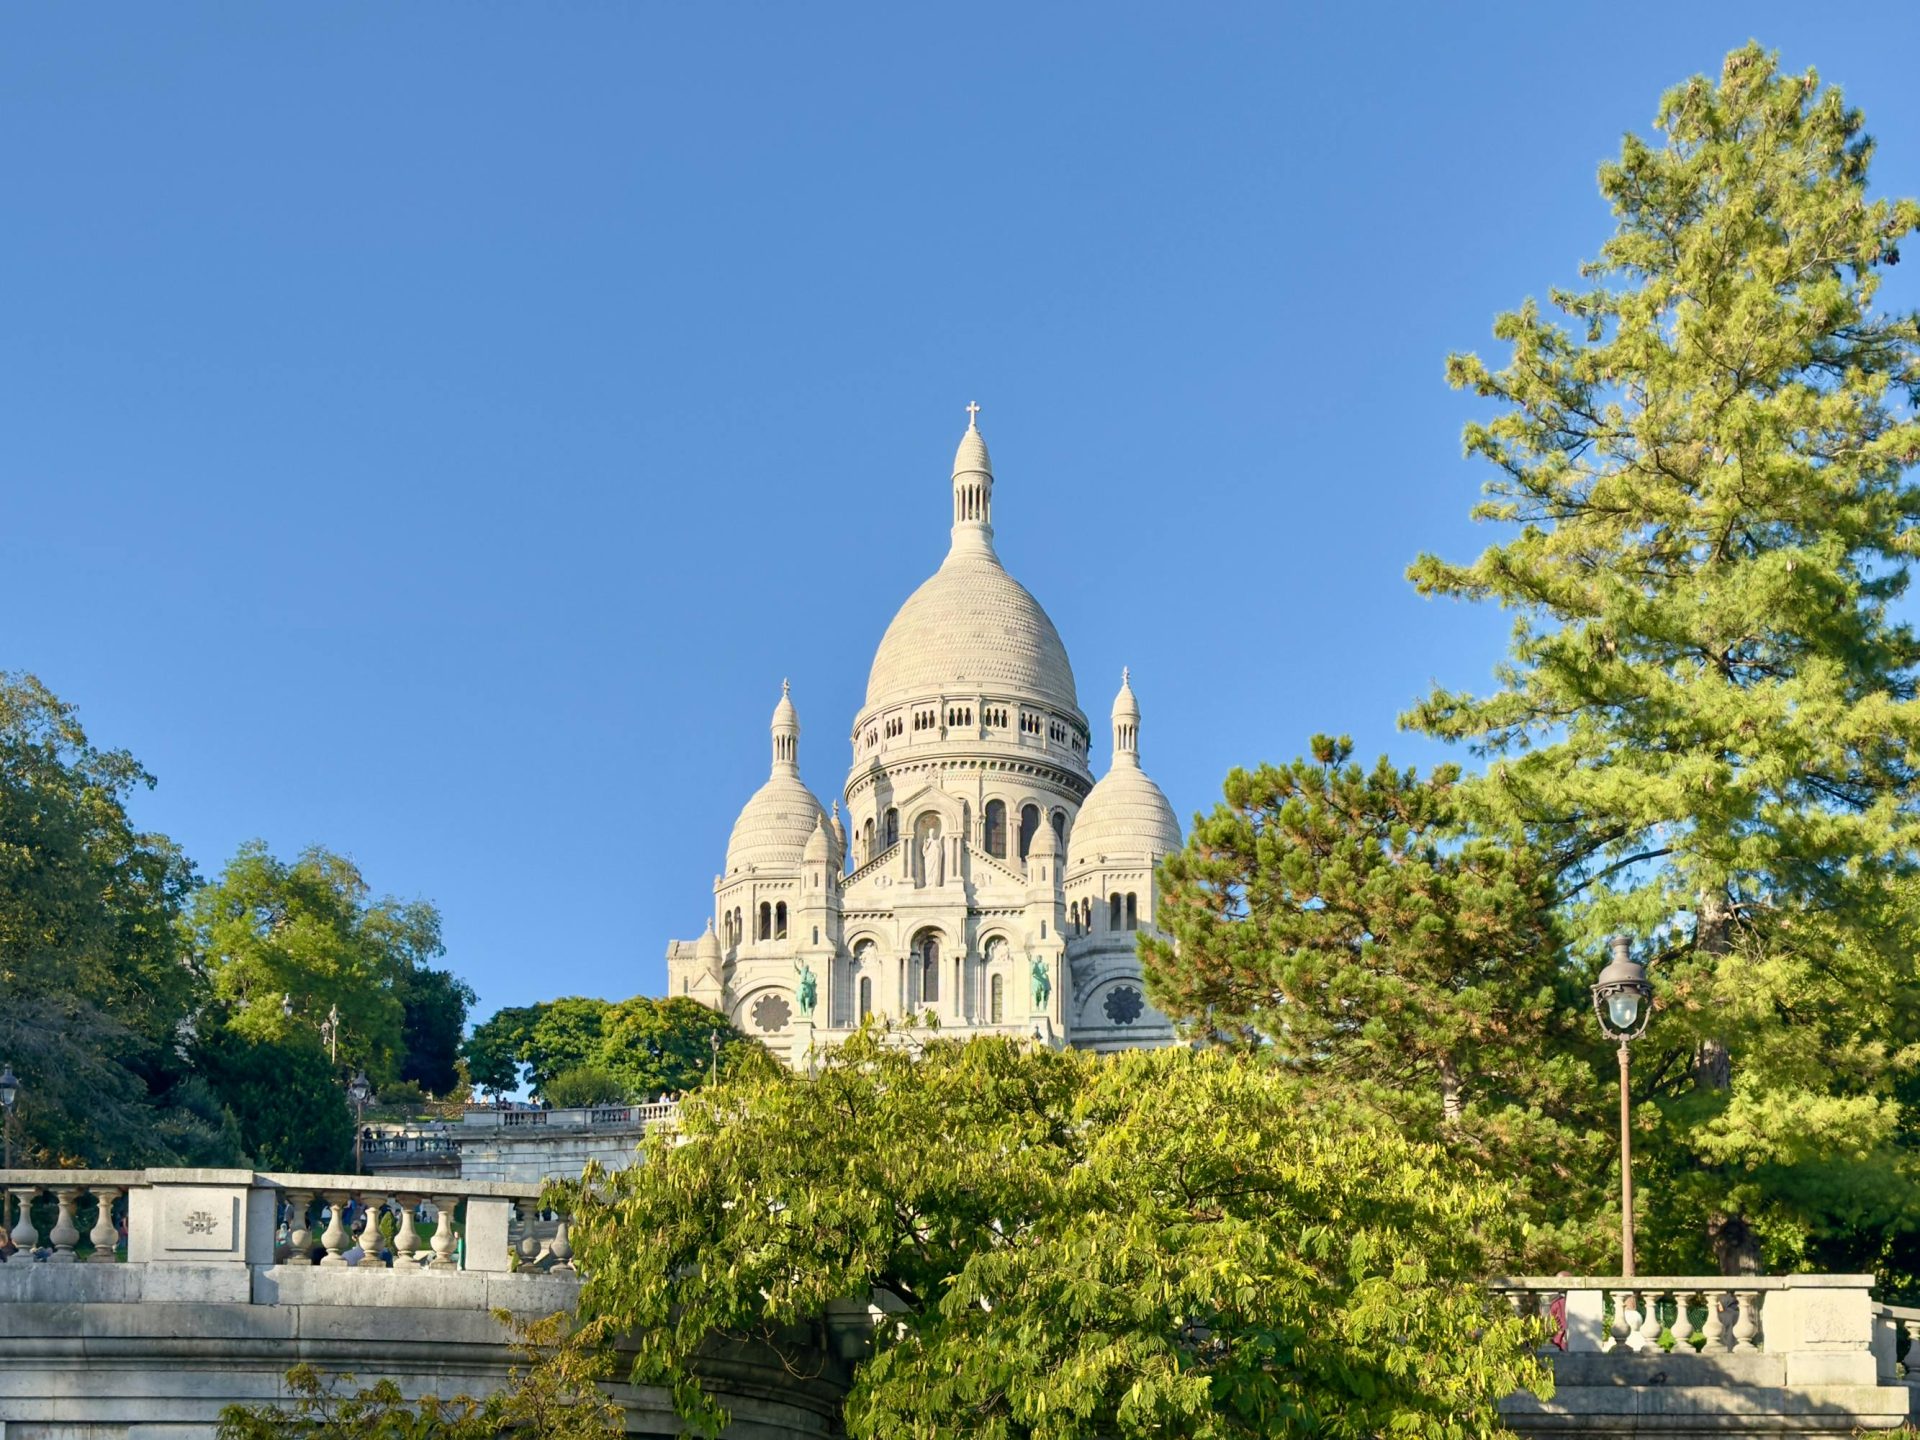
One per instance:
(933,858)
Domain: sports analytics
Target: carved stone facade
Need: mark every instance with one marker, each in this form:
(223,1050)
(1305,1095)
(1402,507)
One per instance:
(981,879)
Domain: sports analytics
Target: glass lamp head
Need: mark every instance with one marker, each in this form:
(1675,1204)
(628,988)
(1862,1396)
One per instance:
(1621,995)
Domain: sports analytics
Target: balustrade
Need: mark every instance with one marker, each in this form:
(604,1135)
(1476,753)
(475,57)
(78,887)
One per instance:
(73,1204)
(334,1222)
(1674,1315)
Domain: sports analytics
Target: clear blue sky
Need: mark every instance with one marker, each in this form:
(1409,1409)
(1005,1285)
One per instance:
(433,431)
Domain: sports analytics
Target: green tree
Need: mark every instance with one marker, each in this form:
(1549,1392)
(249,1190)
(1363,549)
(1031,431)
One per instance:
(493,1050)
(585,1085)
(309,934)
(1708,717)
(284,1095)
(1156,1243)
(1343,922)
(434,1005)
(93,980)
(651,1046)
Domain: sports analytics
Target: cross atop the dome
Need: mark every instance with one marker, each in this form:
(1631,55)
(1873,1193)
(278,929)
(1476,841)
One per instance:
(973,415)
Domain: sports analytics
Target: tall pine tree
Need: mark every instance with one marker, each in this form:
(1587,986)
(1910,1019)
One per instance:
(1708,716)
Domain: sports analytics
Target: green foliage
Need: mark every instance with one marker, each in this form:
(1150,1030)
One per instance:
(93,980)
(1708,717)
(649,1046)
(283,1094)
(585,1085)
(434,1005)
(554,1400)
(1343,921)
(1156,1243)
(309,930)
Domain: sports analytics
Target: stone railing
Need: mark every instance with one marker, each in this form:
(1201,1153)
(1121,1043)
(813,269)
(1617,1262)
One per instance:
(586,1117)
(213,1217)
(870,865)
(1785,1354)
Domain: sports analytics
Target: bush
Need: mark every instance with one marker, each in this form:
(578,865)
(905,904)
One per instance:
(585,1085)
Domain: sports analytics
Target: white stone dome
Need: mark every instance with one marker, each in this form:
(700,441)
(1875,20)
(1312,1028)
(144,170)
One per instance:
(972,627)
(1125,815)
(776,824)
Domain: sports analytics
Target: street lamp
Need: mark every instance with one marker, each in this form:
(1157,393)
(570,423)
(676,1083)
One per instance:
(360,1092)
(330,1035)
(9,1092)
(1623,1000)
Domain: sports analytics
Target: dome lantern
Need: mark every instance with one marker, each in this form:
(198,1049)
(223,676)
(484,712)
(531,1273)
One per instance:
(972,487)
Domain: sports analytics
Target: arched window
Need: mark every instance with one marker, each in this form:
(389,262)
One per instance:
(1029,827)
(1060,829)
(928,955)
(866,842)
(766,921)
(780,921)
(739,926)
(866,998)
(1133,911)
(891,834)
(1113,911)
(995,1002)
(996,836)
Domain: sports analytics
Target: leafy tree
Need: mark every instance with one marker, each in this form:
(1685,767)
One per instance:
(650,1046)
(553,1400)
(1708,717)
(1343,922)
(309,932)
(585,1085)
(434,1005)
(93,981)
(493,1050)
(284,1095)
(1155,1243)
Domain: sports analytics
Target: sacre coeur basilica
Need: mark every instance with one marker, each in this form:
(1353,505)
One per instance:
(981,880)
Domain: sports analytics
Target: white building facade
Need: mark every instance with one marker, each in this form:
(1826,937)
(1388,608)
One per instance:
(981,881)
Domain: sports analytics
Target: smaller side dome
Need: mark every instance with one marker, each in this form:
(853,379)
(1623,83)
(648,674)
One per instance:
(1125,814)
(707,948)
(819,849)
(775,825)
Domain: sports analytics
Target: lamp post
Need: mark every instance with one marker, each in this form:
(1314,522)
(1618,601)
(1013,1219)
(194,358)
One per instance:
(9,1092)
(1623,1000)
(360,1092)
(713,1043)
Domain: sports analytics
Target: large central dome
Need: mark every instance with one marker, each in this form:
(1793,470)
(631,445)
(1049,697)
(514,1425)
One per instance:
(972,627)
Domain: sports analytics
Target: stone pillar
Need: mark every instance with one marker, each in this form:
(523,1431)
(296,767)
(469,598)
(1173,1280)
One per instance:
(1824,1326)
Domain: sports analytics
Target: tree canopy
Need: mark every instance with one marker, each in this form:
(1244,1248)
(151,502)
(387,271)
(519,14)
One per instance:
(93,979)
(1348,925)
(645,1046)
(1703,480)
(1067,1246)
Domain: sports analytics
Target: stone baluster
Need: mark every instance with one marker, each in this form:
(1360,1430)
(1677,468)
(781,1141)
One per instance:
(299,1234)
(336,1237)
(562,1247)
(1650,1326)
(1747,1327)
(370,1233)
(1716,1332)
(105,1235)
(65,1234)
(26,1238)
(443,1234)
(1686,1334)
(406,1240)
(529,1241)
(1626,1320)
